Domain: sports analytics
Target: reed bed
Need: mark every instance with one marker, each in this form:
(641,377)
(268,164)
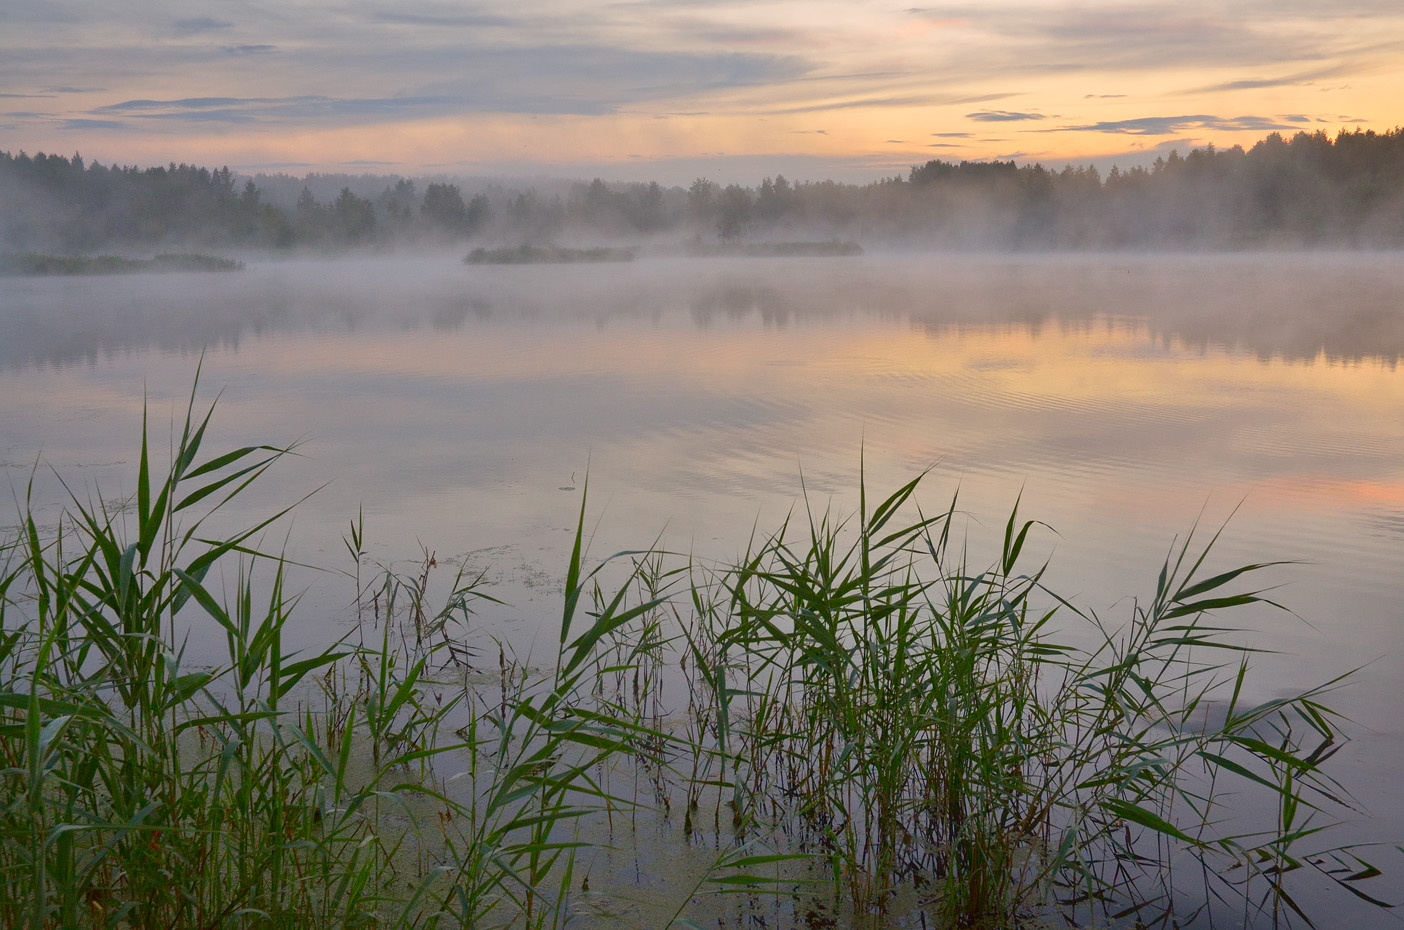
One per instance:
(850,722)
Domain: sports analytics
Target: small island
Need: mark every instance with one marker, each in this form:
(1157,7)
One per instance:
(34,263)
(545,255)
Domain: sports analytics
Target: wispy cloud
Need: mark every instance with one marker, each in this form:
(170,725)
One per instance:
(578,80)
(93,124)
(1290,80)
(912,100)
(274,109)
(907,101)
(443,19)
(1165,125)
(1002,116)
(1032,38)
(285,72)
(192,103)
(200,24)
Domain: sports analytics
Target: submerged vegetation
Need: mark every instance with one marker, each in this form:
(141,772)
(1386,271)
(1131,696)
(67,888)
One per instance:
(852,720)
(32,263)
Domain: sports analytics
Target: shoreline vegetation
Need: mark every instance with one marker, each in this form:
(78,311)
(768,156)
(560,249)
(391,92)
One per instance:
(1305,190)
(851,699)
(35,264)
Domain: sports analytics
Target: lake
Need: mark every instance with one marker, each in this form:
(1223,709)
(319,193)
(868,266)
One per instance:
(1122,399)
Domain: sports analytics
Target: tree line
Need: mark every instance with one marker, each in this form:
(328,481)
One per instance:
(1307,190)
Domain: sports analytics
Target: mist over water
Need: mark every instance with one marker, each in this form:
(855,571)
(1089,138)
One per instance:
(1125,397)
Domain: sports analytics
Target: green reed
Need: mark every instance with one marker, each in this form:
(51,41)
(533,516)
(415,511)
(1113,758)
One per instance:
(916,722)
(272,788)
(851,712)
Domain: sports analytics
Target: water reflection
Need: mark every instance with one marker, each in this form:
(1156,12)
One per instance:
(1343,308)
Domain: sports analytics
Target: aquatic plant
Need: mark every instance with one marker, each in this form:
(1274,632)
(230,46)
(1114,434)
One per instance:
(913,720)
(851,694)
(137,790)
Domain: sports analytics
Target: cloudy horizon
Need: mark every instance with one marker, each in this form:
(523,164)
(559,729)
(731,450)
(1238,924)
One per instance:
(716,88)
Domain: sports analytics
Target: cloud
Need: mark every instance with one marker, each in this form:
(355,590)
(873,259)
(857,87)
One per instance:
(201,24)
(275,109)
(583,78)
(1028,37)
(93,124)
(1165,125)
(451,20)
(904,101)
(349,63)
(427,69)
(1002,116)
(190,103)
(1305,77)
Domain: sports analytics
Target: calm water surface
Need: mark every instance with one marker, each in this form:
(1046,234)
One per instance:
(1125,397)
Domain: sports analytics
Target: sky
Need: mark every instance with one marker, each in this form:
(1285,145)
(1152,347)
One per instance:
(670,90)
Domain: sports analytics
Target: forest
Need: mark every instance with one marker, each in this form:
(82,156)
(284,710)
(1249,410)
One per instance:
(1309,190)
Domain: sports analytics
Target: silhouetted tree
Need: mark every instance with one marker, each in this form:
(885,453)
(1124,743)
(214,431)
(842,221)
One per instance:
(353,218)
(733,211)
(443,207)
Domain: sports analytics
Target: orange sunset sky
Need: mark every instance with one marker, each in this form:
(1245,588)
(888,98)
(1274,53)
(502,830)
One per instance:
(672,90)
